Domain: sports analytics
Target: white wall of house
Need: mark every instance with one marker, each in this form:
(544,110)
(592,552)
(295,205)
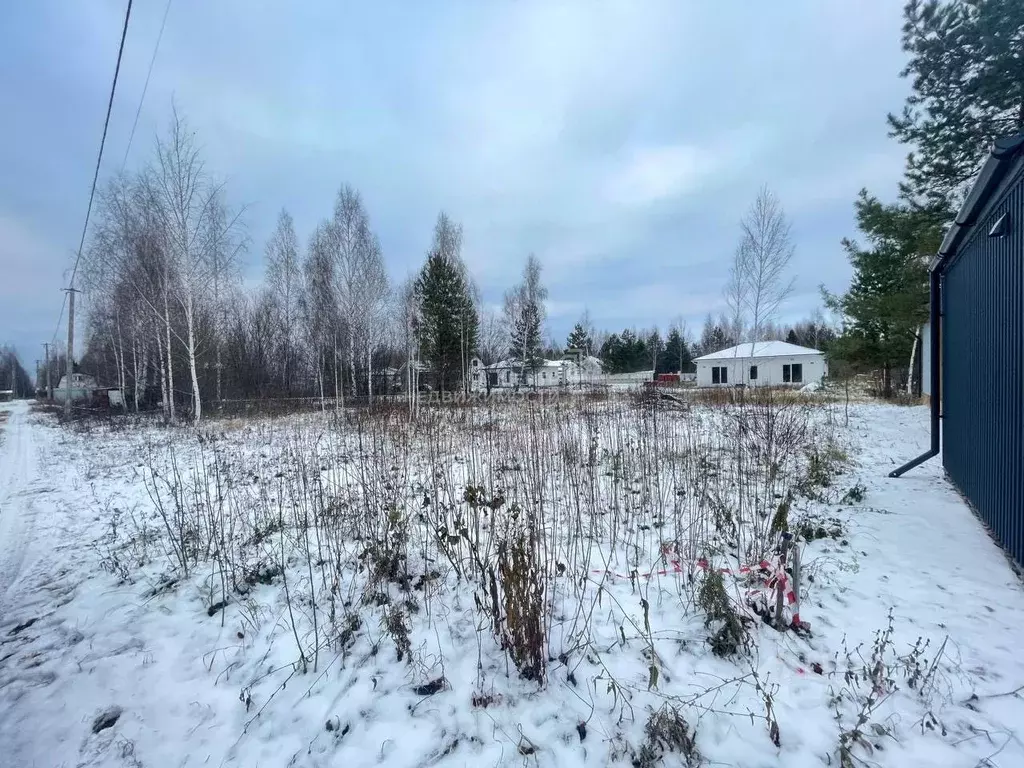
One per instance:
(477,375)
(550,374)
(771,371)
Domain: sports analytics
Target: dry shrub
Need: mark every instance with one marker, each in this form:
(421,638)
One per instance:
(667,733)
(522,584)
(730,634)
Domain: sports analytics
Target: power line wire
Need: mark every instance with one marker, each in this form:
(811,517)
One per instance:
(145,87)
(99,160)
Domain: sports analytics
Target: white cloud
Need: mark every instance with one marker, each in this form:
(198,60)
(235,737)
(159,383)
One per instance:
(652,174)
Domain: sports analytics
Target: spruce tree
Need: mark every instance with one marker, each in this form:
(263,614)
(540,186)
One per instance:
(449,324)
(677,353)
(524,313)
(579,339)
(526,342)
(612,354)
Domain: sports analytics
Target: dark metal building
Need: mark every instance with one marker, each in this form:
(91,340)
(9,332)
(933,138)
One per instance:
(977,347)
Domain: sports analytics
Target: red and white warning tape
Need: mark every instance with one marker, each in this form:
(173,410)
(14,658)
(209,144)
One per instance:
(775,577)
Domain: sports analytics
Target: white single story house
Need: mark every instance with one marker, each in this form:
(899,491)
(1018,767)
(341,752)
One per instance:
(549,373)
(761,364)
(511,374)
(504,373)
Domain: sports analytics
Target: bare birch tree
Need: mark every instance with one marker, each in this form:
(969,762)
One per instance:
(284,281)
(758,282)
(189,205)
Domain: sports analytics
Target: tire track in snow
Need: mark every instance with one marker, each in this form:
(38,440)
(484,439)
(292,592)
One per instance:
(18,468)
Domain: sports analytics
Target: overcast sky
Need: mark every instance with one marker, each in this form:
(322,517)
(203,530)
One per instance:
(619,141)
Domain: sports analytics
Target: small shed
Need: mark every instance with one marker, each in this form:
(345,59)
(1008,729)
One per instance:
(762,364)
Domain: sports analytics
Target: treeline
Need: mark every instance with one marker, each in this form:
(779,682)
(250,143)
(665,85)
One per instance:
(168,320)
(629,351)
(13,375)
(948,123)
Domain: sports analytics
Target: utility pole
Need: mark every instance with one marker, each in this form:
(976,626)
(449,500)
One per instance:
(49,389)
(71,349)
(35,392)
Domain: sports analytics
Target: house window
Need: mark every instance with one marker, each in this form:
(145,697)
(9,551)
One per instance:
(719,375)
(544,374)
(793,373)
(508,376)
(753,373)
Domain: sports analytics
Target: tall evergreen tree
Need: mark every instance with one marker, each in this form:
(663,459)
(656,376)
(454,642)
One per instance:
(525,344)
(654,347)
(524,312)
(967,70)
(580,339)
(715,336)
(448,322)
(888,298)
(677,355)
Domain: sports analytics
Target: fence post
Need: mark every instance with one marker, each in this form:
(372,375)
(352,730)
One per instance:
(796,585)
(780,580)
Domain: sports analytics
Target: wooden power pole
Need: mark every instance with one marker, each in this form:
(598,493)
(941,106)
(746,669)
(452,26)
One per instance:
(49,389)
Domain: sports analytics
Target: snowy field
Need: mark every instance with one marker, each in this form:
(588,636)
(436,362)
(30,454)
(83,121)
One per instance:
(549,583)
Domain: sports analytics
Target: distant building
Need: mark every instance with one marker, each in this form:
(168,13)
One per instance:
(761,364)
(82,387)
(504,373)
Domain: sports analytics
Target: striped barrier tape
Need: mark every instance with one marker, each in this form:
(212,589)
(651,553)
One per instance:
(777,578)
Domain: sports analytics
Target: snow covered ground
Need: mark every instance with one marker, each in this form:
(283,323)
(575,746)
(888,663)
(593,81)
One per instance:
(134,638)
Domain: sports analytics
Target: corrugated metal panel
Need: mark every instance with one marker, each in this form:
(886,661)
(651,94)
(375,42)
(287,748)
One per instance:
(983,379)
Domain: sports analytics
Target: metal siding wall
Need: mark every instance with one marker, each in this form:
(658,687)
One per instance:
(983,375)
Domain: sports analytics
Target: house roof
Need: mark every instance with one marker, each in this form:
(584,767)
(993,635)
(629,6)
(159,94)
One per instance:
(1001,158)
(761,349)
(517,364)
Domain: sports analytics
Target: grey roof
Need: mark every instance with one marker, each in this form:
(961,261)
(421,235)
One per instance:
(1004,152)
(760,349)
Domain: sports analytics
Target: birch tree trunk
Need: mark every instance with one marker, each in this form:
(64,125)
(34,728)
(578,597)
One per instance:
(352,359)
(190,322)
(170,364)
(910,369)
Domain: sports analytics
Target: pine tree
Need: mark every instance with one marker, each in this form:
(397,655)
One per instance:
(579,339)
(967,69)
(888,298)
